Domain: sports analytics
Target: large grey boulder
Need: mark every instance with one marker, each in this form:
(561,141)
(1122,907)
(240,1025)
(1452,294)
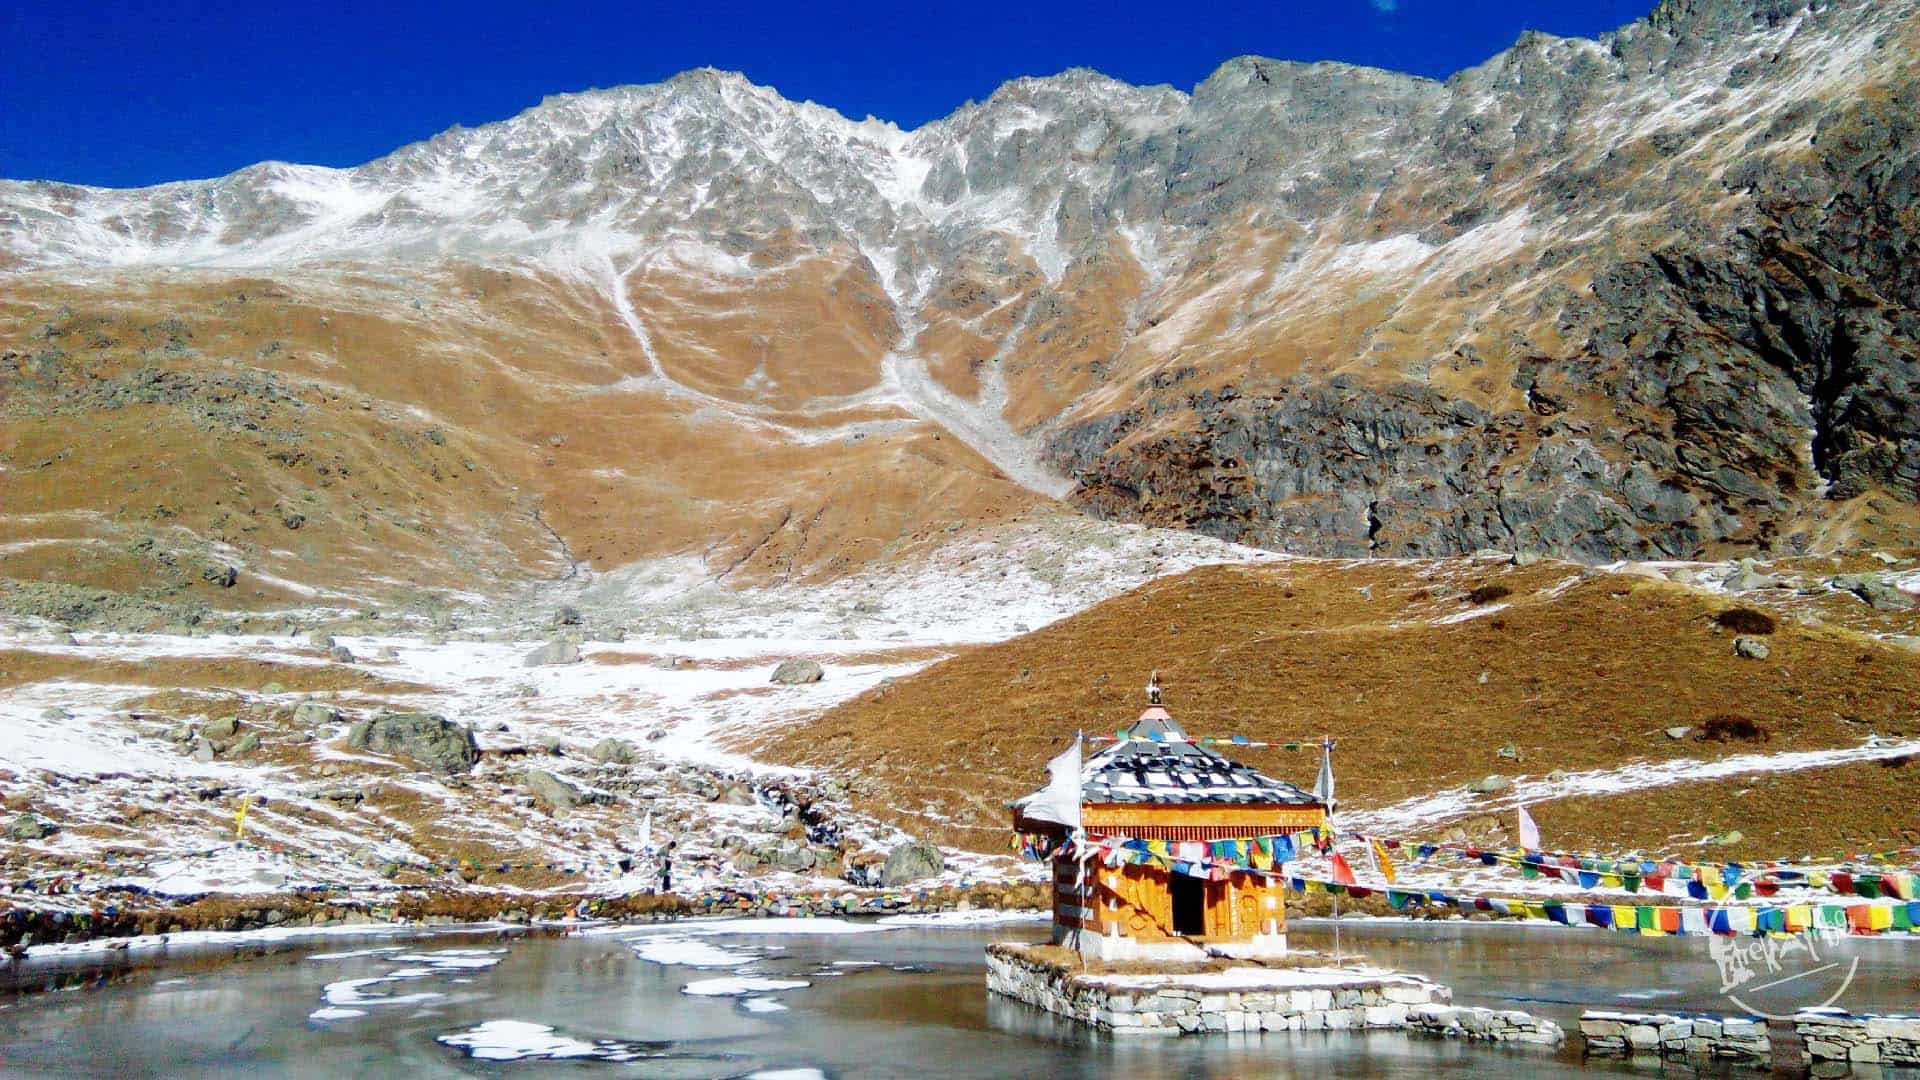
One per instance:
(794,855)
(320,639)
(315,713)
(222,728)
(558,651)
(614,752)
(426,739)
(911,862)
(797,672)
(1876,592)
(1751,648)
(556,794)
(28,827)
(1746,578)
(1490,785)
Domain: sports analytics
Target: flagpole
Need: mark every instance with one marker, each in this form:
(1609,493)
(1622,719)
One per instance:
(1336,930)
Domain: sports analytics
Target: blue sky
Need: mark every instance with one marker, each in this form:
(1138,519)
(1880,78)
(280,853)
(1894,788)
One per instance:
(130,93)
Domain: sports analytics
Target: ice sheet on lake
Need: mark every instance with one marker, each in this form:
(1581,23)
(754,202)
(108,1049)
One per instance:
(690,952)
(735,986)
(762,1005)
(346,992)
(521,1040)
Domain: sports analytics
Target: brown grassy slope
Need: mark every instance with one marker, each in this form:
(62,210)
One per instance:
(1584,676)
(452,428)
(1823,813)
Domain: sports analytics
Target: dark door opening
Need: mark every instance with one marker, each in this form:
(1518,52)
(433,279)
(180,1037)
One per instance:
(1189,905)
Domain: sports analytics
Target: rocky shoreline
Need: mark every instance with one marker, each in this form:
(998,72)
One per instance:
(24,927)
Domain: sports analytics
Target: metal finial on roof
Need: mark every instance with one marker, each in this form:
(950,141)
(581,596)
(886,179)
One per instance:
(1153,687)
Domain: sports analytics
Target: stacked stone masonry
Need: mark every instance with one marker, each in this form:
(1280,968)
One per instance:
(1334,1001)
(1619,1034)
(1837,1035)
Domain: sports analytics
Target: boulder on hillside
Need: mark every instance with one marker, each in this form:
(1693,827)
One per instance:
(223,728)
(320,639)
(28,827)
(427,739)
(911,862)
(556,794)
(1750,647)
(1490,785)
(1876,592)
(315,713)
(340,654)
(1746,578)
(558,651)
(795,855)
(219,574)
(614,752)
(797,672)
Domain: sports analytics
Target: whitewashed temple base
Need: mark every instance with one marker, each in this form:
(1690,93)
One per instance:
(1261,947)
(1114,947)
(1248,999)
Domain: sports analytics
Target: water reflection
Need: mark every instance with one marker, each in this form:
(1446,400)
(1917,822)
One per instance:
(592,1004)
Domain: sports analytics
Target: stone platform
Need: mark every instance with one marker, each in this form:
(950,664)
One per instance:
(1249,999)
(1618,1034)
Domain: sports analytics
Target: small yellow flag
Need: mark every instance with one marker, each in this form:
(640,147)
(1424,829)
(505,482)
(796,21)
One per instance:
(240,821)
(1386,865)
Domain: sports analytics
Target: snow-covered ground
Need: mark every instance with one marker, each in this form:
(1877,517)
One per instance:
(687,686)
(685,683)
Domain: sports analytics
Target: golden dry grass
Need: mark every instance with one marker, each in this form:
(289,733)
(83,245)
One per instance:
(1584,676)
(19,667)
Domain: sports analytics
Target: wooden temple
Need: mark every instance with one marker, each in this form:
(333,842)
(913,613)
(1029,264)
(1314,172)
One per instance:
(1154,783)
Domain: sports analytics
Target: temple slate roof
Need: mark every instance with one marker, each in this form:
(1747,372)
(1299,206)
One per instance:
(1158,765)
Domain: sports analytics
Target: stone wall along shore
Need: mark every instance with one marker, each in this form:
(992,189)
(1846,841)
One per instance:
(1837,1035)
(1251,999)
(1617,1034)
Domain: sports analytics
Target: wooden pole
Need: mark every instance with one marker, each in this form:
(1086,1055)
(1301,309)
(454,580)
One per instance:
(1336,930)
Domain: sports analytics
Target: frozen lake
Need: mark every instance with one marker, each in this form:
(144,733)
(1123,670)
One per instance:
(864,1000)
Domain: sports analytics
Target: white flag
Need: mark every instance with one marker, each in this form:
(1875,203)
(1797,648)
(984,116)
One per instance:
(1059,801)
(1323,787)
(646,832)
(1529,832)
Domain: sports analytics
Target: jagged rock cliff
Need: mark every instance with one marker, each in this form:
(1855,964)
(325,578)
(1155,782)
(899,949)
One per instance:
(1648,295)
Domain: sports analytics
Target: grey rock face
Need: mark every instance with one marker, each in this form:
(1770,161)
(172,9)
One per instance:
(911,862)
(558,651)
(1490,785)
(614,752)
(28,827)
(556,794)
(1746,578)
(1876,592)
(797,672)
(427,739)
(315,713)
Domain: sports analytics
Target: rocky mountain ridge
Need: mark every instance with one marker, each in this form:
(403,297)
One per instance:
(1650,295)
